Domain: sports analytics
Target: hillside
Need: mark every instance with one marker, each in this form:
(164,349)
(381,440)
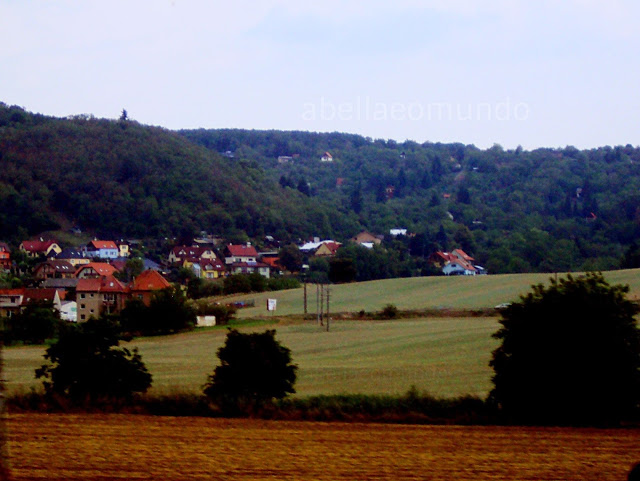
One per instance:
(545,210)
(120,178)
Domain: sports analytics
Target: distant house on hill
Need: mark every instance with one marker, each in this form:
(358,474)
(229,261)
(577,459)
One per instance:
(75,257)
(102,295)
(456,262)
(181,253)
(366,239)
(95,270)
(102,249)
(5,257)
(240,253)
(40,247)
(146,284)
(54,269)
(326,157)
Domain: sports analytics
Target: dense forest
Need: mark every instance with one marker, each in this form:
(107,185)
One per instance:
(513,210)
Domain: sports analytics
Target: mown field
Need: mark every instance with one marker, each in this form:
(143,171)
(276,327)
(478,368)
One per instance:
(445,356)
(60,447)
(457,292)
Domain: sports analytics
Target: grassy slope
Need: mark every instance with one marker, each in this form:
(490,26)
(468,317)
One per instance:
(421,292)
(444,356)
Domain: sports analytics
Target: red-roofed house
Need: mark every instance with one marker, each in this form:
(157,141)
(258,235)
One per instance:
(10,301)
(96,296)
(212,269)
(327,249)
(48,295)
(240,253)
(5,257)
(54,269)
(40,247)
(146,284)
(102,249)
(181,253)
(95,270)
(456,262)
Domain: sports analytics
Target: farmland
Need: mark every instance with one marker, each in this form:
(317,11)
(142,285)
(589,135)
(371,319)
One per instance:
(445,356)
(112,447)
(456,292)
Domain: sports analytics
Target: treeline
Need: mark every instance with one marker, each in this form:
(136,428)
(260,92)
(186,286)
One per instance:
(514,210)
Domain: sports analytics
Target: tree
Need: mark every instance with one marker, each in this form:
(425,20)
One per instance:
(254,369)
(290,258)
(570,354)
(87,364)
(36,323)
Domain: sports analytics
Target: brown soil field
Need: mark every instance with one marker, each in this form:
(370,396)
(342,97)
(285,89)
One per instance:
(117,447)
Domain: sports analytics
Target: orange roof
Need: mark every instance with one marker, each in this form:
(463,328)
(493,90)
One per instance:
(12,292)
(149,280)
(103,284)
(102,268)
(98,244)
(242,250)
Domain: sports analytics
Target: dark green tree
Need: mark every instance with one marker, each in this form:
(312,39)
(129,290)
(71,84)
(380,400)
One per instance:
(290,258)
(342,270)
(87,364)
(254,369)
(35,324)
(569,354)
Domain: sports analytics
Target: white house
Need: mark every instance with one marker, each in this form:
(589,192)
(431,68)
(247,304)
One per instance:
(326,157)
(69,311)
(102,249)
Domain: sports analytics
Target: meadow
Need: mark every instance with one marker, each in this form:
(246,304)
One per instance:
(455,292)
(444,356)
(104,447)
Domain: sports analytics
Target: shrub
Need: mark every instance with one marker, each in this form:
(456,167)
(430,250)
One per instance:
(389,311)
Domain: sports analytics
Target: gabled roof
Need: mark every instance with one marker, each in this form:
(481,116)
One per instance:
(191,252)
(58,266)
(70,254)
(33,295)
(4,247)
(98,244)
(242,250)
(37,245)
(149,280)
(212,266)
(12,292)
(272,262)
(102,268)
(102,284)
(459,253)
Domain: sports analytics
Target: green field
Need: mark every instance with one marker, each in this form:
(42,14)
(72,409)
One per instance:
(457,292)
(446,357)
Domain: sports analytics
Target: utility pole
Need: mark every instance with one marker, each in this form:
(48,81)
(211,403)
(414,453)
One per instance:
(305,296)
(328,297)
(318,303)
(321,303)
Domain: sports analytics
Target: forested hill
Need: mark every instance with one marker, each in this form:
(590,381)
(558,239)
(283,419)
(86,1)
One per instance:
(514,210)
(120,178)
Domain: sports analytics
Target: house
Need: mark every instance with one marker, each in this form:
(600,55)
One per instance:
(32,295)
(75,257)
(326,157)
(96,296)
(146,284)
(459,267)
(366,238)
(102,249)
(94,270)
(283,159)
(10,301)
(54,269)
(397,232)
(212,269)
(273,263)
(69,311)
(240,253)
(181,253)
(5,257)
(250,267)
(123,249)
(40,247)
(456,262)
(327,249)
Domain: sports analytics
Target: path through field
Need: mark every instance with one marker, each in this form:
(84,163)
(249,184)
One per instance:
(119,447)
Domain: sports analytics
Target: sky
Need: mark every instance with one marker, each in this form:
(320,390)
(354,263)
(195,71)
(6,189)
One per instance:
(508,72)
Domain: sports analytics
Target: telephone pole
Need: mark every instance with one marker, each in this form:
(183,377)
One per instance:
(328,297)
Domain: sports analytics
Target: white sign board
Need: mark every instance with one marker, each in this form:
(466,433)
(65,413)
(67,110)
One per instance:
(271,304)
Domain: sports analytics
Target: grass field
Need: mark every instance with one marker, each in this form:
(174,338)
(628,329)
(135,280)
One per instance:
(456,292)
(447,357)
(119,447)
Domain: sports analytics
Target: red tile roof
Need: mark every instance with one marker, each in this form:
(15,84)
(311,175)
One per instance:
(102,284)
(37,245)
(149,280)
(98,244)
(31,295)
(102,268)
(242,250)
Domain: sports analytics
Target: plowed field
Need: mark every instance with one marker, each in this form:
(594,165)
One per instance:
(118,447)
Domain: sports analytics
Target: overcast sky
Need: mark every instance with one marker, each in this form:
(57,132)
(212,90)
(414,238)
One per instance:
(530,73)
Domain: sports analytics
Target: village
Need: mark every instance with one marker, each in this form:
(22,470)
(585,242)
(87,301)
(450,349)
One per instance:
(95,278)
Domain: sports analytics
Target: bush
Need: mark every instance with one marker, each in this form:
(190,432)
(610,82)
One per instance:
(389,312)
(282,283)
(86,364)
(570,354)
(254,369)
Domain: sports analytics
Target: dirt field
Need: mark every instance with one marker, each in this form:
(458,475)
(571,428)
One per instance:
(118,447)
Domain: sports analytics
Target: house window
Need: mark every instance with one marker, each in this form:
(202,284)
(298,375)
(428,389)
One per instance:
(82,306)
(91,295)
(82,296)
(91,311)
(82,317)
